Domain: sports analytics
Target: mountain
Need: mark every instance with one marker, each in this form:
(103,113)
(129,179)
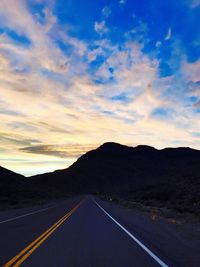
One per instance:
(169,176)
(10,179)
(11,184)
(17,189)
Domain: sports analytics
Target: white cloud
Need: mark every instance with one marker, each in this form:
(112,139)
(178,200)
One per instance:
(194,3)
(122,2)
(168,35)
(100,27)
(158,44)
(139,32)
(106,11)
(192,71)
(50,99)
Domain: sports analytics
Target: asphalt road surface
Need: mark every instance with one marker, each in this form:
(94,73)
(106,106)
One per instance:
(88,232)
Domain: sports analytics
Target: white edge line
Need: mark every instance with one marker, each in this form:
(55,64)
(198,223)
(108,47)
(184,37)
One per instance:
(134,238)
(27,214)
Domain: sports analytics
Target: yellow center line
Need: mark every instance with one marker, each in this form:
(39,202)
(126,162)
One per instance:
(26,252)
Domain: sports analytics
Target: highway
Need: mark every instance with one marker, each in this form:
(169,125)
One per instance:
(87,232)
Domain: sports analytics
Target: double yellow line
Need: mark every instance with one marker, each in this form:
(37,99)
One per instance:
(25,253)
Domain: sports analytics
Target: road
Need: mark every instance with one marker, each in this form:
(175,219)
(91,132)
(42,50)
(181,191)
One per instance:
(88,232)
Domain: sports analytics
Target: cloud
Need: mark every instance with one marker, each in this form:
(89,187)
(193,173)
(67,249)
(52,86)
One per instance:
(10,140)
(122,2)
(63,151)
(100,27)
(158,44)
(169,34)
(194,3)
(61,96)
(106,11)
(139,32)
(192,71)
(191,74)
(197,104)
(42,45)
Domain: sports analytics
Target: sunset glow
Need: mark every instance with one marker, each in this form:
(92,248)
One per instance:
(76,74)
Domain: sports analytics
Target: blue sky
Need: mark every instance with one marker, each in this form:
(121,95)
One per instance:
(76,74)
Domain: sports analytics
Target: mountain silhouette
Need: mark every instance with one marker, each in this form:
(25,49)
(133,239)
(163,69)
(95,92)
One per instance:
(11,184)
(169,176)
(166,177)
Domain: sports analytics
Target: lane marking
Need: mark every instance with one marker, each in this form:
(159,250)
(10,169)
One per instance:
(27,214)
(158,260)
(26,252)
(35,241)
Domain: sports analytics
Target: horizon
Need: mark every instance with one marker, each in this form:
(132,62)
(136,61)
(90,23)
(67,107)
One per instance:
(109,142)
(75,75)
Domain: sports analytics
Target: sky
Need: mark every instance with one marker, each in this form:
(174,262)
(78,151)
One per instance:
(76,74)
